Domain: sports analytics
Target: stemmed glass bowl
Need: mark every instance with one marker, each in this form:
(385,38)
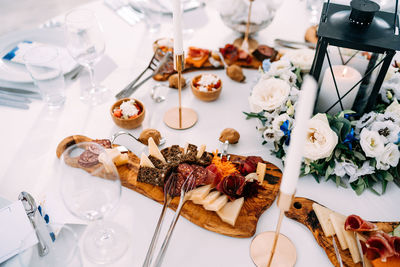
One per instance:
(85,43)
(91,189)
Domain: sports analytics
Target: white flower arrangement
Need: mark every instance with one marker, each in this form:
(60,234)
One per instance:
(361,153)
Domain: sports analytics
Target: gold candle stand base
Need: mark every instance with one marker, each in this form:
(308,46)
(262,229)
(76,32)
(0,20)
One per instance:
(273,248)
(180,118)
(189,118)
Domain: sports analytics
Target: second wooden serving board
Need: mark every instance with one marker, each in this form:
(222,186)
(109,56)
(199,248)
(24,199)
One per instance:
(303,212)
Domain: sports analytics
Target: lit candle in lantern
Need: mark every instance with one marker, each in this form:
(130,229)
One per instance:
(346,77)
(177,22)
(304,111)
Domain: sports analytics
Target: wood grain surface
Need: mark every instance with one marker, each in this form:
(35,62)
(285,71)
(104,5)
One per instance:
(246,223)
(302,211)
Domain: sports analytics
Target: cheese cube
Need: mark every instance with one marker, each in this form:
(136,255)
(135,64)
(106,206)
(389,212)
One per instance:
(208,199)
(217,204)
(338,221)
(230,212)
(200,193)
(261,169)
(201,151)
(323,218)
(145,161)
(154,151)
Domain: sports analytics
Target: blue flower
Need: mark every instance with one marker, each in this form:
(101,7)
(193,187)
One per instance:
(285,129)
(350,138)
(266,65)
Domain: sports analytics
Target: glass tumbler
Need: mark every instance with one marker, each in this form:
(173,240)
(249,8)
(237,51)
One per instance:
(44,67)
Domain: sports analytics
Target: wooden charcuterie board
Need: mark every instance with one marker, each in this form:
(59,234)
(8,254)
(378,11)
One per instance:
(246,223)
(302,211)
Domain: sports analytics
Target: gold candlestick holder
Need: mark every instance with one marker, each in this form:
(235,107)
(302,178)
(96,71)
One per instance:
(273,248)
(245,43)
(180,118)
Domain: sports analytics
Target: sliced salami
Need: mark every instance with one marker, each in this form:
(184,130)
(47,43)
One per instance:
(103,142)
(88,159)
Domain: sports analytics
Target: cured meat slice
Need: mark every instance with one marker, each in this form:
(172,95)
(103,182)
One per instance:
(185,169)
(231,184)
(249,165)
(88,159)
(379,244)
(103,142)
(395,242)
(357,224)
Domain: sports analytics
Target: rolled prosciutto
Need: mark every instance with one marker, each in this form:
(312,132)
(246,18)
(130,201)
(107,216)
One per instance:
(356,224)
(379,246)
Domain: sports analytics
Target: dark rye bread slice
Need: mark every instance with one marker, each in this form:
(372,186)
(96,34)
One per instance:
(156,162)
(205,159)
(173,154)
(191,153)
(151,176)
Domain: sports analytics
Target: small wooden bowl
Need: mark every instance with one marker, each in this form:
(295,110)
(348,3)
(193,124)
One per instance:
(206,96)
(128,123)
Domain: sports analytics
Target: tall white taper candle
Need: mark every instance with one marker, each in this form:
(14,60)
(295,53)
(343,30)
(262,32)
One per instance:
(177,21)
(303,113)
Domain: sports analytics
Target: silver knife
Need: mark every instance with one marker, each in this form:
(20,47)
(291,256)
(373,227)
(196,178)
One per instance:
(294,44)
(21,92)
(13,104)
(360,249)
(15,98)
(338,257)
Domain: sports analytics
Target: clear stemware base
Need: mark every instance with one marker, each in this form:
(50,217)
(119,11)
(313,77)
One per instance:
(105,242)
(95,95)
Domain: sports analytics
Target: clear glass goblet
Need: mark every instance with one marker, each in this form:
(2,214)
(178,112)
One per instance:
(85,43)
(90,189)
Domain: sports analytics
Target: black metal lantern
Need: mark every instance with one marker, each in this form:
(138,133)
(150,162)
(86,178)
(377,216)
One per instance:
(362,28)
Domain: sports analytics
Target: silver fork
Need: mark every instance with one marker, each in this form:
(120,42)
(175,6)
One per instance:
(169,187)
(338,257)
(114,136)
(224,152)
(187,186)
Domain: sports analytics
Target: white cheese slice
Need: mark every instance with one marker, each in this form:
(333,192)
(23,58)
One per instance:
(323,218)
(145,161)
(251,177)
(208,199)
(352,243)
(217,204)
(261,169)
(154,151)
(200,193)
(201,151)
(185,150)
(338,224)
(121,160)
(230,212)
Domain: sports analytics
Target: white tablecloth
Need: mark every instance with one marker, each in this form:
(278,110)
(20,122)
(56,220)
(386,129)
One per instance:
(29,139)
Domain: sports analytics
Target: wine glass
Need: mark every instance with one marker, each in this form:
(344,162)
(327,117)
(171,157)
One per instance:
(86,45)
(90,189)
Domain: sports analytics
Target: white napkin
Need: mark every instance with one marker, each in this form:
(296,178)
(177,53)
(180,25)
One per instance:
(15,228)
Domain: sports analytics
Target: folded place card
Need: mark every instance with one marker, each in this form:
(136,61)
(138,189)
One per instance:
(16,231)
(16,55)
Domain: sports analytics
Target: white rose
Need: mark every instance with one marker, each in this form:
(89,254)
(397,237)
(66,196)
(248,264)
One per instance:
(371,143)
(321,140)
(278,67)
(301,58)
(394,107)
(389,157)
(269,95)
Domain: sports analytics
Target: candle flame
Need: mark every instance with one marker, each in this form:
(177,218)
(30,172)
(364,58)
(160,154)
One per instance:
(344,72)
